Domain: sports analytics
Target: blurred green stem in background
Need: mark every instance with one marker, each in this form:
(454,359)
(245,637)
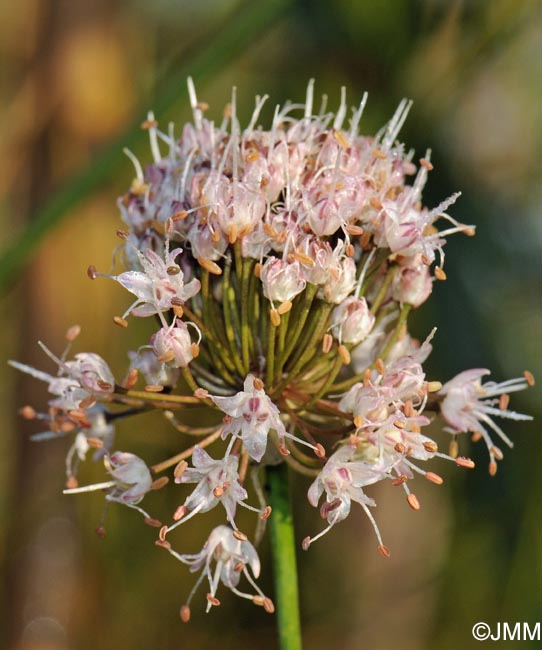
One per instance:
(284,560)
(245,26)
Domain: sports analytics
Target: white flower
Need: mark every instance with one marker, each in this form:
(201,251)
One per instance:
(172,345)
(351,321)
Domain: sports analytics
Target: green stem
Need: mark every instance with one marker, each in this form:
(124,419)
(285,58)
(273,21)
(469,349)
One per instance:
(284,559)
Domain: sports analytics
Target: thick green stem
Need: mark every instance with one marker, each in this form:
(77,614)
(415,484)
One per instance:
(284,560)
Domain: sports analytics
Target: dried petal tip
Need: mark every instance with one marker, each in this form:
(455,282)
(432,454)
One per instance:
(413,502)
(306,543)
(383,550)
(529,377)
(464,462)
(185,613)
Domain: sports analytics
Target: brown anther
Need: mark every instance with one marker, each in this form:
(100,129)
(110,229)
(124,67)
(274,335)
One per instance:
(92,272)
(493,468)
(266,513)
(162,534)
(383,550)
(327,343)
(201,393)
(430,446)
(252,156)
(380,367)
(358,421)
(496,452)
(400,448)
(238,568)
(100,531)
(179,216)
(104,385)
(180,469)
(153,388)
(283,450)
(179,513)
(71,482)
(268,605)
(122,234)
(413,502)
(403,478)
(433,386)
(258,384)
(399,424)
(173,269)
(258,600)
(73,332)
(210,266)
(461,461)
(344,354)
(194,349)
(218,491)
(185,613)
(163,543)
(377,153)
(350,250)
(121,322)
(275,317)
(306,543)
(284,307)
(340,139)
(131,378)
(434,478)
(426,163)
(149,124)
(354,230)
(95,443)
(166,357)
(453,449)
(257,270)
(426,260)
(504,400)
(213,600)
(439,273)
(27,412)
(153,522)
(476,436)
(160,483)
(319,451)
(529,377)
(240,536)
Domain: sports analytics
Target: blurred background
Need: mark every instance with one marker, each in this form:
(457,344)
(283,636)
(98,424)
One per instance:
(77,78)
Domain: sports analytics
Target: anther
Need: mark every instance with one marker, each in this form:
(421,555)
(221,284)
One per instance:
(377,153)
(177,310)
(380,367)
(266,513)
(439,273)
(201,393)
(95,443)
(180,468)
(413,502)
(354,230)
(258,384)
(306,543)
(252,156)
(426,260)
(257,269)
(92,272)
(430,446)
(238,567)
(461,461)
(383,550)
(408,408)
(154,388)
(122,234)
(162,534)
(121,322)
(27,412)
(497,452)
(160,483)
(163,543)
(185,613)
(275,317)
(320,451)
(194,349)
(344,354)
(425,163)
(434,478)
(504,400)
(153,522)
(71,482)
(149,124)
(349,250)
(213,600)
(179,216)
(173,270)
(218,491)
(453,448)
(131,378)
(100,531)
(433,386)
(358,421)
(258,600)
(353,440)
(304,259)
(399,424)
(341,139)
(529,377)
(327,342)
(492,468)
(73,332)
(400,448)
(476,436)
(283,450)
(104,385)
(232,234)
(284,307)
(268,605)
(240,536)
(210,266)
(166,357)
(179,513)
(402,478)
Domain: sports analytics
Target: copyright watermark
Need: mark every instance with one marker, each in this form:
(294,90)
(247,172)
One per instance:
(505,631)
